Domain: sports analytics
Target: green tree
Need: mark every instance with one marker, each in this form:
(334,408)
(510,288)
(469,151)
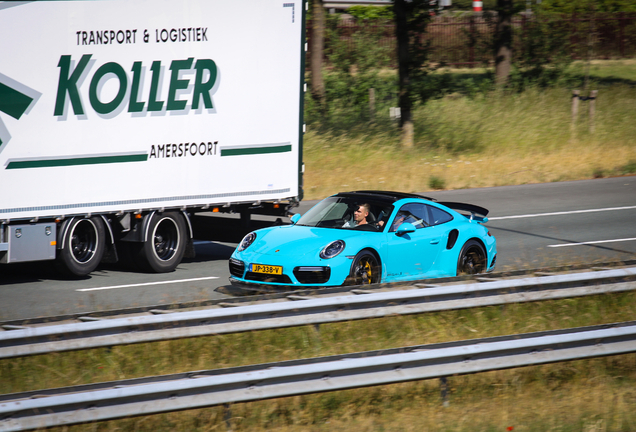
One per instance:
(411,20)
(355,59)
(584,6)
(371,12)
(317,54)
(503,41)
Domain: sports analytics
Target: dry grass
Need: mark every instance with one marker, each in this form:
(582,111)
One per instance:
(491,141)
(328,172)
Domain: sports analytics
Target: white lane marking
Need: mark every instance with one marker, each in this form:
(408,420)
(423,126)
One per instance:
(146,284)
(592,242)
(562,213)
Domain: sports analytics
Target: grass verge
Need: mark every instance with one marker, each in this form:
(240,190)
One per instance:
(565,396)
(485,139)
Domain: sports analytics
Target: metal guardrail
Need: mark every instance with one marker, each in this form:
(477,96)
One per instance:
(96,402)
(119,331)
(240,296)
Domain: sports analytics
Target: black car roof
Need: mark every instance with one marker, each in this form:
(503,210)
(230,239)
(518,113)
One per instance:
(387,196)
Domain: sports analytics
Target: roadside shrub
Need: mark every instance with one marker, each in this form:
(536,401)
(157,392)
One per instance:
(371,12)
(629,168)
(436,183)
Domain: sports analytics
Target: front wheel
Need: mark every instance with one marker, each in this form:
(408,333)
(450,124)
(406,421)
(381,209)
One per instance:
(472,259)
(82,246)
(365,269)
(165,244)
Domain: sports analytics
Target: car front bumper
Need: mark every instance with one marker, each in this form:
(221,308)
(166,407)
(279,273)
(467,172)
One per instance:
(294,276)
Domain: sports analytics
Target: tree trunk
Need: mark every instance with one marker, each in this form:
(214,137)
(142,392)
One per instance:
(503,42)
(317,53)
(402,36)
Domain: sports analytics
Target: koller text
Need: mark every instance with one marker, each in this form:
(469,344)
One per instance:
(70,83)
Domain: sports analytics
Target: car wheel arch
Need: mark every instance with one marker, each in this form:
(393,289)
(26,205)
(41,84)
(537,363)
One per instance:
(478,240)
(374,252)
(480,243)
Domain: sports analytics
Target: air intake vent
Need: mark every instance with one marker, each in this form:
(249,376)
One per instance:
(312,275)
(452,239)
(237,268)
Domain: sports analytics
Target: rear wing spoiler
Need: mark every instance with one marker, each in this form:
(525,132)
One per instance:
(476,213)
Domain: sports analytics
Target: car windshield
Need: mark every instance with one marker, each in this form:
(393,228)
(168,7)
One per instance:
(340,212)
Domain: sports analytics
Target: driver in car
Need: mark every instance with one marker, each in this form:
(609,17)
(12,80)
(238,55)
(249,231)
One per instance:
(359,216)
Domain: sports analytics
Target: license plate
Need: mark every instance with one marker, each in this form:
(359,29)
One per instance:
(267,269)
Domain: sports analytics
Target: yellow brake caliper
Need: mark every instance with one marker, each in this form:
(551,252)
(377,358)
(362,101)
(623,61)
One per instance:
(368,272)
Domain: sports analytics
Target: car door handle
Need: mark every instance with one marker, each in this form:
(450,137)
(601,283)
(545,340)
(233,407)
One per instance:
(434,241)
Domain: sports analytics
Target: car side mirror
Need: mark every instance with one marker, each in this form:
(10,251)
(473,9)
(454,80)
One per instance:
(295,218)
(405,228)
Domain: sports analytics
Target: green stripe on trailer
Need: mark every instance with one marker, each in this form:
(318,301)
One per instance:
(255,150)
(93,160)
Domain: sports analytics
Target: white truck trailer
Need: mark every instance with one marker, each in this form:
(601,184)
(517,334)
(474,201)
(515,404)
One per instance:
(121,119)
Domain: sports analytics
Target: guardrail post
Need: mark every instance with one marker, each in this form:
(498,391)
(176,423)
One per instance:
(227,416)
(443,385)
(317,339)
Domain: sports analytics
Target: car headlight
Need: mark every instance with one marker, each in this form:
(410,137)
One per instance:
(332,249)
(247,241)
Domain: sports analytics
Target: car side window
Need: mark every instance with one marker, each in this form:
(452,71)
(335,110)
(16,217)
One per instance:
(413,213)
(439,216)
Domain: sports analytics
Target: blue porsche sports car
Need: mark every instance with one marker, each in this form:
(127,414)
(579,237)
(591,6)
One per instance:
(364,237)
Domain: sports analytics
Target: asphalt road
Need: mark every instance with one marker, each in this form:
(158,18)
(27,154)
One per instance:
(536,226)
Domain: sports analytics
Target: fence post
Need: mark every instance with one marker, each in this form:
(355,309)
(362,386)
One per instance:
(575,112)
(573,36)
(471,50)
(524,25)
(575,105)
(621,33)
(592,99)
(371,104)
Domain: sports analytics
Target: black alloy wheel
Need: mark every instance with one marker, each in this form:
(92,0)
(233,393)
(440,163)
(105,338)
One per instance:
(472,259)
(365,269)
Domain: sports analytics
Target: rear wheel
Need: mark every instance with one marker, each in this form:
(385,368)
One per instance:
(472,259)
(365,269)
(165,244)
(82,246)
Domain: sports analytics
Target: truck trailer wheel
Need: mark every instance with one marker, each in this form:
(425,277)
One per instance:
(82,246)
(165,243)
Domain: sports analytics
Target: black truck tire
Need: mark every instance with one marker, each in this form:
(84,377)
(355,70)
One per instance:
(83,246)
(165,243)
